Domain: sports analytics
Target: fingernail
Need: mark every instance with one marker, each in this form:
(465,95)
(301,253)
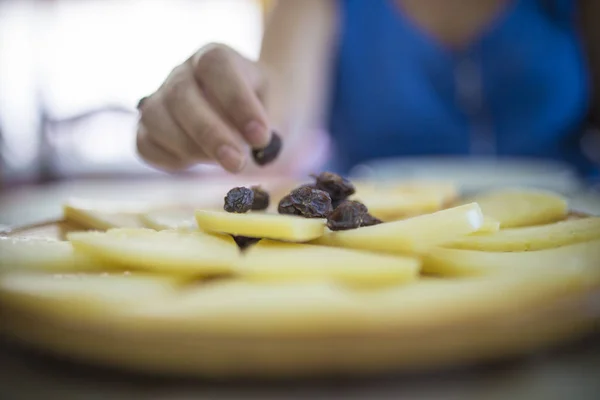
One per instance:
(256,133)
(230,158)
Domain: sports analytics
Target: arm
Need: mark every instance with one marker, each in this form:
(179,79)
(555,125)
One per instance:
(297,53)
(218,104)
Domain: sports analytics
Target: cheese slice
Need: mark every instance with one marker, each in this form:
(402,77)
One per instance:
(102,215)
(394,206)
(522,207)
(393,201)
(244,308)
(458,262)
(415,235)
(164,251)
(261,225)
(277,261)
(83,294)
(178,218)
(42,254)
(490,225)
(533,237)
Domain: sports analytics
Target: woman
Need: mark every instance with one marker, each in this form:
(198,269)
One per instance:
(387,78)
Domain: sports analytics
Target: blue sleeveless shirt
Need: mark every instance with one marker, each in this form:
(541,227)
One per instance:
(521,89)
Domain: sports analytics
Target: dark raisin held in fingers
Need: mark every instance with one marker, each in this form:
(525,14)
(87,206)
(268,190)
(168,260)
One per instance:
(339,188)
(350,215)
(261,199)
(268,154)
(239,200)
(306,201)
(244,242)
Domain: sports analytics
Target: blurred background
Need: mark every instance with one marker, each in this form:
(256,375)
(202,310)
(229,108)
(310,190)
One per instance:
(71,73)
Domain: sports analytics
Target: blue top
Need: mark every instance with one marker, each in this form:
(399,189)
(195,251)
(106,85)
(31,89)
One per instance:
(520,89)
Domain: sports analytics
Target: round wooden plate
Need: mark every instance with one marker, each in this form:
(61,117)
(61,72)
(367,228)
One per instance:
(313,330)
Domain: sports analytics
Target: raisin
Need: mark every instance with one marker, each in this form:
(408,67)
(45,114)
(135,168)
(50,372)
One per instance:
(350,215)
(369,220)
(239,200)
(306,201)
(261,198)
(286,206)
(268,154)
(309,185)
(244,242)
(339,188)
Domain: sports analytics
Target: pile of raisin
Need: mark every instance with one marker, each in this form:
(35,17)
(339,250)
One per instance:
(350,215)
(307,202)
(318,199)
(327,198)
(268,154)
(339,188)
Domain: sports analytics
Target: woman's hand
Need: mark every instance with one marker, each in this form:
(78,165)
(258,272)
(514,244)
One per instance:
(210,108)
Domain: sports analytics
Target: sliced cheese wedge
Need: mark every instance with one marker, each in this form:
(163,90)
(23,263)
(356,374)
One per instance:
(164,251)
(82,293)
(104,215)
(522,207)
(240,307)
(533,237)
(261,225)
(42,254)
(415,235)
(490,225)
(444,189)
(391,202)
(394,206)
(277,261)
(457,262)
(179,218)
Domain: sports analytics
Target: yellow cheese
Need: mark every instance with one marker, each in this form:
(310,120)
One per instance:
(179,218)
(261,225)
(431,302)
(413,235)
(533,237)
(82,293)
(241,307)
(104,215)
(444,189)
(277,261)
(391,201)
(31,254)
(164,251)
(490,225)
(522,207)
(394,206)
(457,262)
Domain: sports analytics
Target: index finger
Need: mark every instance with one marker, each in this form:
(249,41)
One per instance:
(224,83)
